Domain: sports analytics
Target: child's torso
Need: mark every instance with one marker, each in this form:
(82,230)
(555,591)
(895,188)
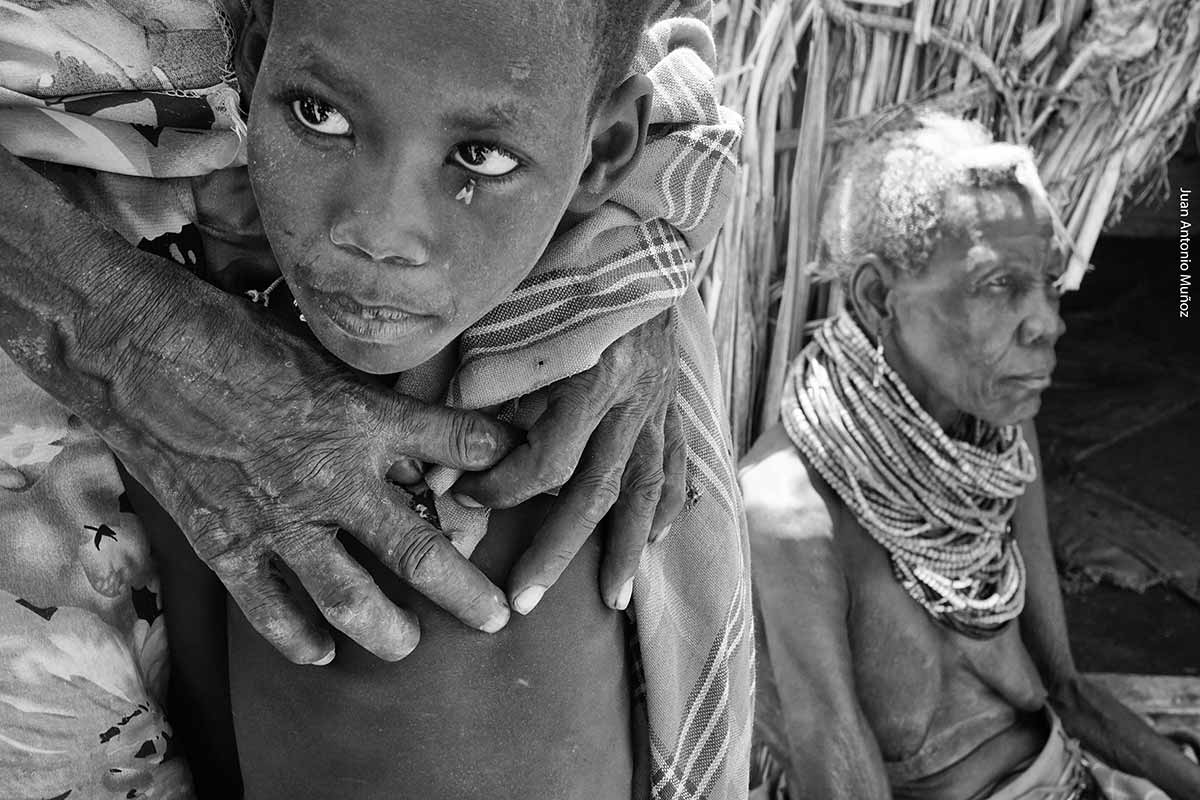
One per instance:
(542,709)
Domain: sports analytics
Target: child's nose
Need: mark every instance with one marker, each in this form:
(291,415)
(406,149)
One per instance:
(385,220)
(367,240)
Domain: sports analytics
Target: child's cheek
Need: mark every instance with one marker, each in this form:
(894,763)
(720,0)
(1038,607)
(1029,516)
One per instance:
(282,172)
(523,225)
(512,255)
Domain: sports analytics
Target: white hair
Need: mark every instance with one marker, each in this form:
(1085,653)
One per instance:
(889,196)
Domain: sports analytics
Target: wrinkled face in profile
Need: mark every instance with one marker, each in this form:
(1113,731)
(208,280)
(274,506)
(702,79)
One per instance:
(975,330)
(411,161)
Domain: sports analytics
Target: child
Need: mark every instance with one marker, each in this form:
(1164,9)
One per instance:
(405,198)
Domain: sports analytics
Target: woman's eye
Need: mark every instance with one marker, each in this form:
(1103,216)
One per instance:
(320,117)
(1000,283)
(484,159)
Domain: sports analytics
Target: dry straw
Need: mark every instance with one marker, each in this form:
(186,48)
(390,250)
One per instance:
(1102,90)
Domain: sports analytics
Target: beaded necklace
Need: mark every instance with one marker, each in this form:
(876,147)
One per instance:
(939,505)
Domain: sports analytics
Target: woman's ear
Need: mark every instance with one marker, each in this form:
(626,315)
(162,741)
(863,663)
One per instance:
(868,290)
(618,134)
(251,45)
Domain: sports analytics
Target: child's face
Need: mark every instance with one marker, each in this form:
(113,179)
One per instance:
(370,121)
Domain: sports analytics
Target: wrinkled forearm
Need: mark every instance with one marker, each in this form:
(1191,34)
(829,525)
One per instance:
(117,335)
(1090,714)
(1122,740)
(73,294)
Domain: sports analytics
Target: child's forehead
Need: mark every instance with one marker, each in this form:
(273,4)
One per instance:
(526,49)
(525,33)
(456,68)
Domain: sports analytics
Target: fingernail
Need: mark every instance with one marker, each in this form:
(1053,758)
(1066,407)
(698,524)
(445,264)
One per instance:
(12,479)
(624,596)
(496,623)
(527,600)
(466,500)
(325,659)
(481,446)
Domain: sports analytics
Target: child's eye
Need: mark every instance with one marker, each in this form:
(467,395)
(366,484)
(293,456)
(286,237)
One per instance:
(320,117)
(484,159)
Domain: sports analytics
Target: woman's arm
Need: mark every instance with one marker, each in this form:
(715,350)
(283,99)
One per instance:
(142,350)
(257,443)
(1089,713)
(803,601)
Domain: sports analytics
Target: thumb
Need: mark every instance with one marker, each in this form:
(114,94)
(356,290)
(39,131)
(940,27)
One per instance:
(460,439)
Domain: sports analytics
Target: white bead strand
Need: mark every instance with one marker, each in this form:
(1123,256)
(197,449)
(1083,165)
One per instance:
(940,506)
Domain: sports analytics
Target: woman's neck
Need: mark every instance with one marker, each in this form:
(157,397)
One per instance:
(936,404)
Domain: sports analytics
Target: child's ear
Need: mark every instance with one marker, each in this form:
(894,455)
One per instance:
(251,45)
(618,135)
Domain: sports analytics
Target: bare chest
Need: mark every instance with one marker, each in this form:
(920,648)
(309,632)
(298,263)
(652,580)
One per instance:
(924,688)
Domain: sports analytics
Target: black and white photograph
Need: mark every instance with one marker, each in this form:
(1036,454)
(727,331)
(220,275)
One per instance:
(599,400)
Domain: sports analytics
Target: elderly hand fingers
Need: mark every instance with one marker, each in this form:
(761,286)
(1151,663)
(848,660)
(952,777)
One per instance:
(349,599)
(426,559)
(452,438)
(651,343)
(553,445)
(279,617)
(583,503)
(674,488)
(631,517)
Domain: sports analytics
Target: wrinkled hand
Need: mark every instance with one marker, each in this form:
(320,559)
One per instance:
(256,441)
(611,438)
(262,451)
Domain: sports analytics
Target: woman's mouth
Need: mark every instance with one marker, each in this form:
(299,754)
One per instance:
(368,322)
(1034,382)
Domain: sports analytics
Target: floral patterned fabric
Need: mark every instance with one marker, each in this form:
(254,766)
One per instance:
(126,99)
(83,649)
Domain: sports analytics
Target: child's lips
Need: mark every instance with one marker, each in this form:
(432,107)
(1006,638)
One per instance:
(368,321)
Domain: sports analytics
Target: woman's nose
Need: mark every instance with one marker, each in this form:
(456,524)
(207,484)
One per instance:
(387,221)
(1043,324)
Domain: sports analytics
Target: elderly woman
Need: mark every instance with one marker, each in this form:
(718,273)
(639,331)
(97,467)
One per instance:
(912,636)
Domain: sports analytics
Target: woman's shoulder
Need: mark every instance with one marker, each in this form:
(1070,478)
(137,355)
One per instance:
(785,498)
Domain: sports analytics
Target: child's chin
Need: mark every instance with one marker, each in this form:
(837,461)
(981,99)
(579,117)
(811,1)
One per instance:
(377,358)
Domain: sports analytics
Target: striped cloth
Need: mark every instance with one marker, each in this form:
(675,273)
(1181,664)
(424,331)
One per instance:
(624,265)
